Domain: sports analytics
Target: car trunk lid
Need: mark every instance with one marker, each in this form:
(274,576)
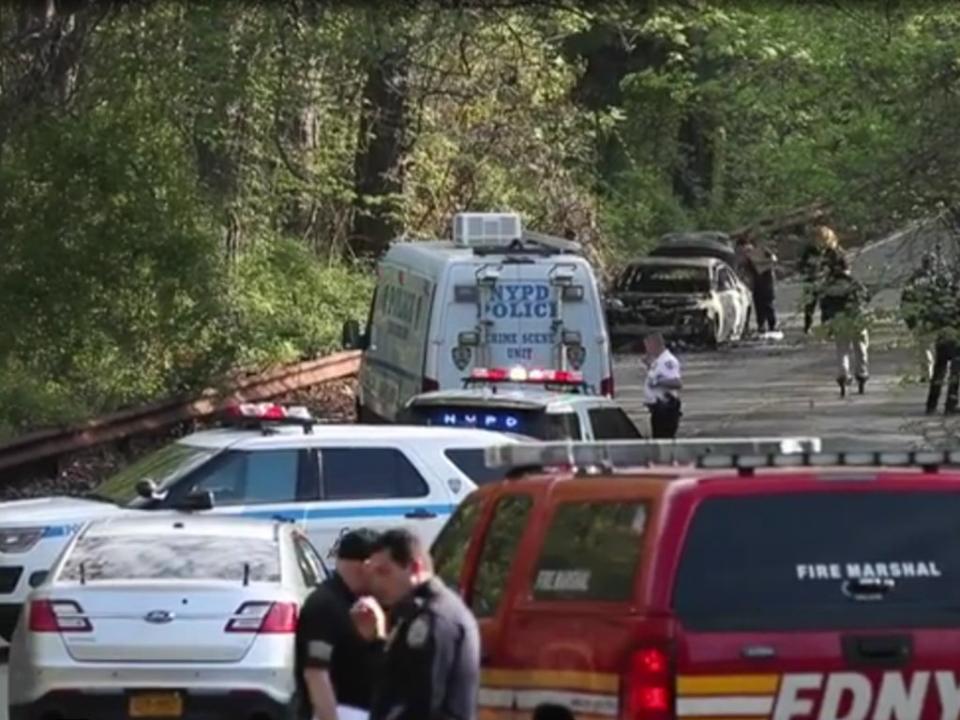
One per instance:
(140,622)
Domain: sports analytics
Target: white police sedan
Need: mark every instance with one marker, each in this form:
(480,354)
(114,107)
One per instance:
(274,462)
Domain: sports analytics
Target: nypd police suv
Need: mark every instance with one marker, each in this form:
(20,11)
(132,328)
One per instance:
(497,295)
(276,464)
(540,404)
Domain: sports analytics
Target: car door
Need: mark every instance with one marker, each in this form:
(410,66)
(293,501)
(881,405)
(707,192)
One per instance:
(267,483)
(378,487)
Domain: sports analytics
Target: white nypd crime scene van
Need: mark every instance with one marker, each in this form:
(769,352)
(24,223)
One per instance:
(495,295)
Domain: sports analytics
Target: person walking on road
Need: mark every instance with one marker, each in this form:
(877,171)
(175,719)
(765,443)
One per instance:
(819,260)
(919,291)
(336,664)
(764,288)
(939,314)
(843,302)
(661,390)
(431,664)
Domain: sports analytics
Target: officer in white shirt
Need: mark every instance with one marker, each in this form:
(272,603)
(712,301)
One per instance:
(661,391)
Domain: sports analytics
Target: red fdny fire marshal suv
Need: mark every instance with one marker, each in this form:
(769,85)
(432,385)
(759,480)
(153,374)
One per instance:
(749,580)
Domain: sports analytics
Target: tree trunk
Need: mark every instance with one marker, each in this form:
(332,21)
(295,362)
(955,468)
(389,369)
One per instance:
(47,51)
(694,174)
(378,165)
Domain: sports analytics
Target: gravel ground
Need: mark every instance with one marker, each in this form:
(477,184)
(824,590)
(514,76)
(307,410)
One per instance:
(82,472)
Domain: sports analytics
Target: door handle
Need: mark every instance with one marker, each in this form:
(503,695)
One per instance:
(420,514)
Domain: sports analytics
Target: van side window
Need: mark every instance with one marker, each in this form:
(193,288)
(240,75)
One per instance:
(591,551)
(499,549)
(450,548)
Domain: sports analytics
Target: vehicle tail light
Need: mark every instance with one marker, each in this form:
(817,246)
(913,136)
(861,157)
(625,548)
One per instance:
(606,386)
(648,691)
(430,385)
(63,616)
(264,618)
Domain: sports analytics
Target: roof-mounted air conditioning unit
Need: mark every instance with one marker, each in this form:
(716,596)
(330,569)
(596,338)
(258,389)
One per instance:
(486,229)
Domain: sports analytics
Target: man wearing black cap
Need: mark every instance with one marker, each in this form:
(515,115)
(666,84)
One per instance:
(338,666)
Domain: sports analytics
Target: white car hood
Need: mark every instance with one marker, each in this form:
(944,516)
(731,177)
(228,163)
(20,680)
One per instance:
(55,511)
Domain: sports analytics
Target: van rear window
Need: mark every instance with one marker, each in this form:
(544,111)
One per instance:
(532,422)
(591,552)
(825,560)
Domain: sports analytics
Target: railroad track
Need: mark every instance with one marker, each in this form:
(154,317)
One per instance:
(43,445)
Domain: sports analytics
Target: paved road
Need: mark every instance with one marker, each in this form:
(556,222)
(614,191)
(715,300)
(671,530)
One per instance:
(789,388)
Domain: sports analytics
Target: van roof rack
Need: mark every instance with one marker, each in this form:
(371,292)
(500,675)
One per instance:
(745,455)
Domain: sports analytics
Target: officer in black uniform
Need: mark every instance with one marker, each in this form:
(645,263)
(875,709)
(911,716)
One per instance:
(431,667)
(336,666)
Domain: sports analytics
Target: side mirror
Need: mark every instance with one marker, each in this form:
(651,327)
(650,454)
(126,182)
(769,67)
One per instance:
(198,500)
(351,338)
(147,489)
(616,304)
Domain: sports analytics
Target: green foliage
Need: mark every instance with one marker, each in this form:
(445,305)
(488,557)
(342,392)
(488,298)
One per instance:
(178,197)
(288,306)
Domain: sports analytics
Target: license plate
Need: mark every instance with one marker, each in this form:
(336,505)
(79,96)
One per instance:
(156,705)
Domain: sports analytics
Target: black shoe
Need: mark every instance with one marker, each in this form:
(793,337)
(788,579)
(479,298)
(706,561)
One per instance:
(930,411)
(861,385)
(843,387)
(950,411)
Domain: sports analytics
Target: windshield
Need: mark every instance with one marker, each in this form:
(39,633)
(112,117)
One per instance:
(665,279)
(163,467)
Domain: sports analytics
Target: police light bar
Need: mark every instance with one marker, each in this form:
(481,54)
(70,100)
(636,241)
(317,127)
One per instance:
(268,412)
(745,455)
(523,375)
(638,453)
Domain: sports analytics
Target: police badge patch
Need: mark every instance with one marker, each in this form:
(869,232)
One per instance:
(418,631)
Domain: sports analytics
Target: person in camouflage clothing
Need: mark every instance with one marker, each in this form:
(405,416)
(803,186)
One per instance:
(917,291)
(843,309)
(937,315)
(820,260)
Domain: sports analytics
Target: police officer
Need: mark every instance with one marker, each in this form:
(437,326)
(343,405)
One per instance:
(336,664)
(661,391)
(431,666)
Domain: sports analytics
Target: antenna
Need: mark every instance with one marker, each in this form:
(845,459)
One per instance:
(246,574)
